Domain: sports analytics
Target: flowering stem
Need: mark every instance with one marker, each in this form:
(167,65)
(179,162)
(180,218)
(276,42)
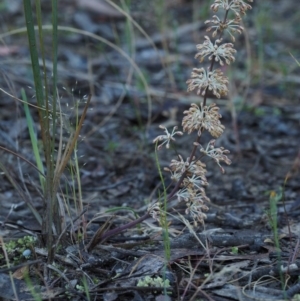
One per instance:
(216,153)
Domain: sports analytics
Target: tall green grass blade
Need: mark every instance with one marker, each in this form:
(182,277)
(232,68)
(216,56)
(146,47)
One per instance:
(54,63)
(45,125)
(42,46)
(34,54)
(39,90)
(33,139)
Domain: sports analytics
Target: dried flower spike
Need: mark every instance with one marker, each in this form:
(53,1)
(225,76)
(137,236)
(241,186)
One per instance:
(190,174)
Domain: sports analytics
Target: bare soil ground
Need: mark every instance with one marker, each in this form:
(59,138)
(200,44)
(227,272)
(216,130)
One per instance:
(232,257)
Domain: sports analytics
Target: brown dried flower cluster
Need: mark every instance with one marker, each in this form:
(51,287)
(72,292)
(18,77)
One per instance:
(237,6)
(199,118)
(190,174)
(214,81)
(219,53)
(217,154)
(231,26)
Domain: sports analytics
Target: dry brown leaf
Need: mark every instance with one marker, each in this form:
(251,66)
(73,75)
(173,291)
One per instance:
(21,272)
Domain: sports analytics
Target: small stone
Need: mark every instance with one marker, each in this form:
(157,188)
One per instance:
(26,253)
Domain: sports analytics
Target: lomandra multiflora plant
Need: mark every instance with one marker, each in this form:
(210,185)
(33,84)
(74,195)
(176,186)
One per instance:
(189,174)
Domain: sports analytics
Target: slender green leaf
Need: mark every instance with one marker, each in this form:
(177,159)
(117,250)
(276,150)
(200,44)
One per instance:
(54,62)
(33,53)
(33,139)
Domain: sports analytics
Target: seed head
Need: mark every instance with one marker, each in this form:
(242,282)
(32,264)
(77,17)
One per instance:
(207,117)
(237,6)
(195,202)
(217,154)
(231,26)
(203,79)
(218,52)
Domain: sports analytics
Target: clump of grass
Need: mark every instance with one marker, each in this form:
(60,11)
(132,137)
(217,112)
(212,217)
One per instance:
(53,158)
(56,158)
